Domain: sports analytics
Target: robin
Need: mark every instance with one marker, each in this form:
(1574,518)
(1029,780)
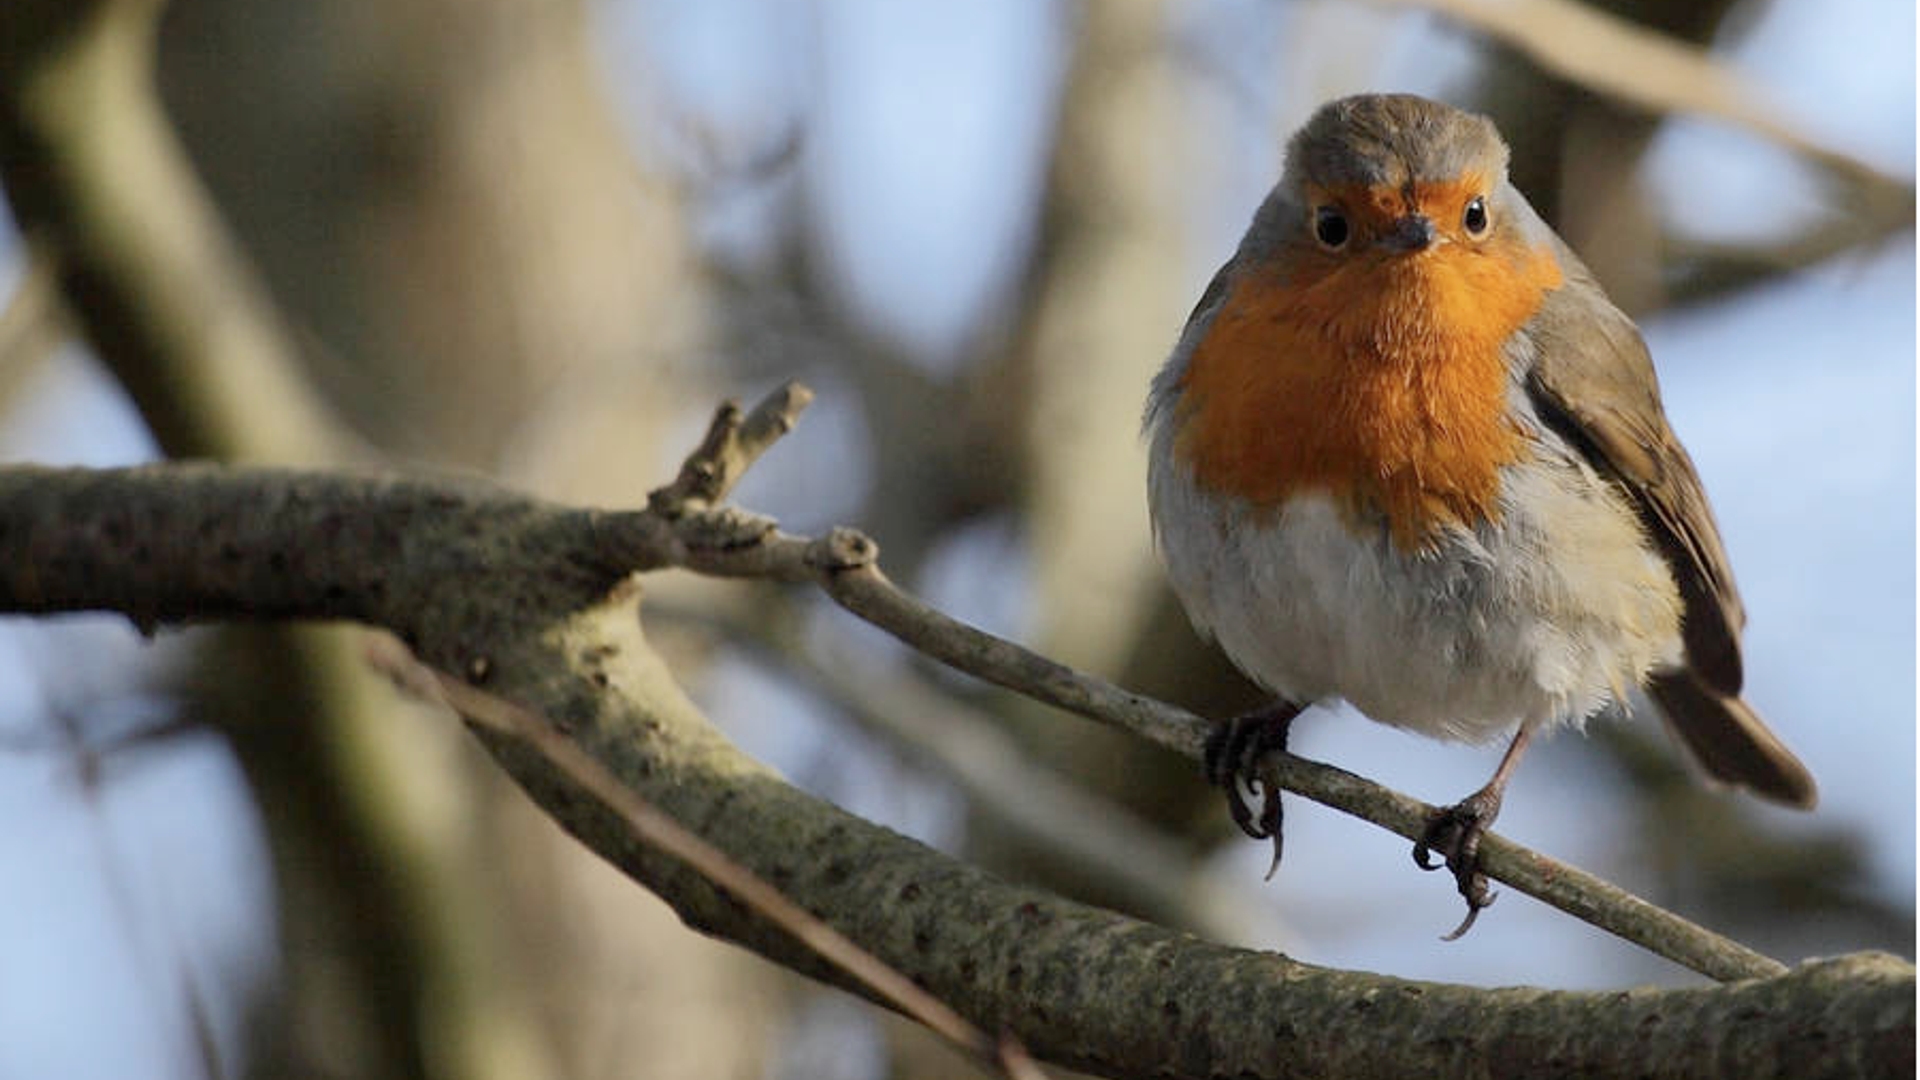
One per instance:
(1407,453)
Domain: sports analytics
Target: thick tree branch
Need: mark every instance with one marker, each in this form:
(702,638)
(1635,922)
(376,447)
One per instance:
(528,598)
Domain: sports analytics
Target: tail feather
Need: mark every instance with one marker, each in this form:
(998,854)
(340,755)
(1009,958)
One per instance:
(1731,741)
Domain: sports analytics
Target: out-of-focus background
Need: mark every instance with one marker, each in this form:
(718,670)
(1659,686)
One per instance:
(539,239)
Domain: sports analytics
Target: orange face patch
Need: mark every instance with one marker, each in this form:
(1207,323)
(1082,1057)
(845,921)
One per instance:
(1375,378)
(1374,208)
(1444,201)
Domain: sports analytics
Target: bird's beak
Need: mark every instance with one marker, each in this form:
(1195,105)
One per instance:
(1415,232)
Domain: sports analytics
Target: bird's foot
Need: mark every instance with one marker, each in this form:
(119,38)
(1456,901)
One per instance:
(1454,834)
(1234,751)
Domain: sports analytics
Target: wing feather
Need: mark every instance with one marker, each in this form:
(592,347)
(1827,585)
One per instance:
(1593,381)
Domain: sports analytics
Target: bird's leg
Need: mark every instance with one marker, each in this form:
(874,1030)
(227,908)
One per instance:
(1455,834)
(1233,754)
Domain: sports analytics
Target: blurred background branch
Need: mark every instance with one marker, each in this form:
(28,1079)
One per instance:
(1656,75)
(382,940)
(1641,68)
(32,326)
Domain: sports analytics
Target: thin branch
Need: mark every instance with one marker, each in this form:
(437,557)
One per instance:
(1100,839)
(1701,270)
(843,564)
(661,831)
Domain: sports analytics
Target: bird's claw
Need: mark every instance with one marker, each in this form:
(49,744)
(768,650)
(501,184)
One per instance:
(1454,834)
(1234,751)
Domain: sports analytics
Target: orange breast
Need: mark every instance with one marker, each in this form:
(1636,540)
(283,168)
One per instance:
(1376,379)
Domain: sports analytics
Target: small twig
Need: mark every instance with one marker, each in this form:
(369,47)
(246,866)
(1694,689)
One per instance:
(655,828)
(732,444)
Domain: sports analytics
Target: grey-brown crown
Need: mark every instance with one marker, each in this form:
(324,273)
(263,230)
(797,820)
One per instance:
(1391,139)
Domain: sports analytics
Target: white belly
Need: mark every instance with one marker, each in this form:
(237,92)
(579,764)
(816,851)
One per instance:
(1546,616)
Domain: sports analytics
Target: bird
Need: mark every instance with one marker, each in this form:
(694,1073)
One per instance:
(1405,453)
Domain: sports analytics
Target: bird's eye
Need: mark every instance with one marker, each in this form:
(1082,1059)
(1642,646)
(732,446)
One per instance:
(1475,219)
(1330,227)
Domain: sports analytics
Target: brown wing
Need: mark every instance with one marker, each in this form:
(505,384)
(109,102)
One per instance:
(1593,382)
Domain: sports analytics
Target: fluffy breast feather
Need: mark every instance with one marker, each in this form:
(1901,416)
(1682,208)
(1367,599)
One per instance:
(1545,612)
